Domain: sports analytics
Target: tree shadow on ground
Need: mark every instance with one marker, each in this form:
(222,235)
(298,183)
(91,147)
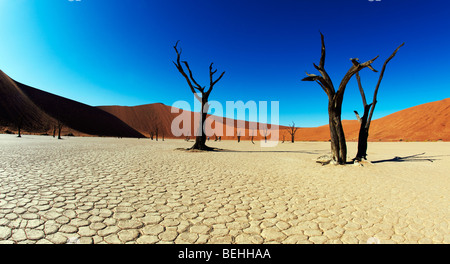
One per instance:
(413,158)
(315,152)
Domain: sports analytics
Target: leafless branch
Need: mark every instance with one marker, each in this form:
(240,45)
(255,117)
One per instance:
(378,84)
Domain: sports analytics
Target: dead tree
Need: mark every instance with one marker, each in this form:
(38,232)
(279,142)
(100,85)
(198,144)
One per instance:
(335,99)
(19,125)
(292,130)
(59,126)
(203,97)
(265,133)
(54,130)
(368,111)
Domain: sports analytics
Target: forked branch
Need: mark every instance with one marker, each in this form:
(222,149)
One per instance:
(193,84)
(378,84)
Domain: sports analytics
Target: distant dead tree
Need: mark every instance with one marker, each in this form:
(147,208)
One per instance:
(292,130)
(59,126)
(265,133)
(152,134)
(54,130)
(156,129)
(203,97)
(19,124)
(252,134)
(335,99)
(367,117)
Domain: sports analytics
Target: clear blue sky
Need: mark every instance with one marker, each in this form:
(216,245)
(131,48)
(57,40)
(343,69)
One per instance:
(108,52)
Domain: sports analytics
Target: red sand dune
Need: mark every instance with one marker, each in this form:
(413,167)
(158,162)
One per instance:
(429,121)
(145,118)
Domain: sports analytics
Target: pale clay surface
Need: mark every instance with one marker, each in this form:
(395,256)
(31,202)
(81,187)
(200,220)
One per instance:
(108,190)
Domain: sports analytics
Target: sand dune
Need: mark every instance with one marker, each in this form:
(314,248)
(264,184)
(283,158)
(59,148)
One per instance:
(40,109)
(17,108)
(424,122)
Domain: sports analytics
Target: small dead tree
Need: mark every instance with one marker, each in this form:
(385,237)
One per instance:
(197,89)
(252,134)
(335,99)
(292,130)
(19,124)
(54,130)
(152,134)
(367,117)
(59,126)
(265,133)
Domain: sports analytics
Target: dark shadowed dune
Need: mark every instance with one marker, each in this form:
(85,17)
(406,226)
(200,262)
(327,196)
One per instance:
(16,107)
(40,109)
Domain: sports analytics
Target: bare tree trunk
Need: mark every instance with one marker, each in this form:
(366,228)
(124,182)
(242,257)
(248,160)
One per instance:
(200,141)
(19,124)
(335,99)
(338,143)
(368,112)
(59,132)
(363,135)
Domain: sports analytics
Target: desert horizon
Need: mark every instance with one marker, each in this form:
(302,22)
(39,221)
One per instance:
(398,126)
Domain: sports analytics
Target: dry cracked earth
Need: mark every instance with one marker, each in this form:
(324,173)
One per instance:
(108,190)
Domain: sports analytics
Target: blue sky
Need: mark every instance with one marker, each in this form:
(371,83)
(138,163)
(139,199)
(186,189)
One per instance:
(110,52)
